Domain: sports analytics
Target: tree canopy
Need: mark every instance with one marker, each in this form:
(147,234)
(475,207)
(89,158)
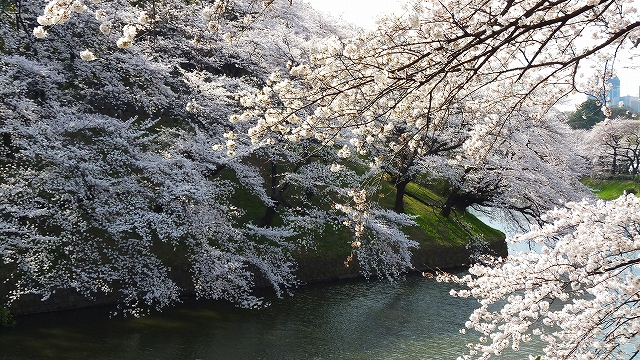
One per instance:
(133,130)
(590,113)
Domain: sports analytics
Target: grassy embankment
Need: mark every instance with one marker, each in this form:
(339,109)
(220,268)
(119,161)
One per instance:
(612,188)
(433,228)
(433,231)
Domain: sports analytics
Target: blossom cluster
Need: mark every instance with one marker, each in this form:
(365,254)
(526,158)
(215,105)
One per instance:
(90,199)
(579,294)
(412,69)
(357,214)
(57,12)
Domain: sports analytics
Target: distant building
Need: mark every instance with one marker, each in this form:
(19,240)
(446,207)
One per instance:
(629,102)
(614,95)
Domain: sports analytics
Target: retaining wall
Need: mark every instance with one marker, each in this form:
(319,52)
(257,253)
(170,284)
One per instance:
(310,269)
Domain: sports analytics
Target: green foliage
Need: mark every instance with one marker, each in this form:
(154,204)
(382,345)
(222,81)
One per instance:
(332,241)
(8,6)
(438,186)
(6,320)
(589,113)
(612,188)
(586,115)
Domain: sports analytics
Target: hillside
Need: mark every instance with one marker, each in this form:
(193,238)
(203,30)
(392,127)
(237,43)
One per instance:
(612,188)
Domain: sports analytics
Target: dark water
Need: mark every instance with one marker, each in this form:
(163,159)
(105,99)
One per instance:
(413,319)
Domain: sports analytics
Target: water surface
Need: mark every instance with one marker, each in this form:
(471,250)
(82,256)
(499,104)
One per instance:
(413,319)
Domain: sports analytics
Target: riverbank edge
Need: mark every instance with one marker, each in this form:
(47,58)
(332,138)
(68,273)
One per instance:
(311,269)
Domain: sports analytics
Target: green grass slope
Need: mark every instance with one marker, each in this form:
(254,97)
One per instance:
(612,188)
(432,227)
(442,241)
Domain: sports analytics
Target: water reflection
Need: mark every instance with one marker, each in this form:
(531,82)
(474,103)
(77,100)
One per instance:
(414,319)
(508,226)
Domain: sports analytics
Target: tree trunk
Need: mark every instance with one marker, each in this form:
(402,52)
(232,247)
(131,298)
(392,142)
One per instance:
(270,214)
(446,208)
(401,189)
(458,200)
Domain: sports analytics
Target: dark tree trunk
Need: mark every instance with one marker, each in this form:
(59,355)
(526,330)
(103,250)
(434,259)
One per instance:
(457,200)
(446,208)
(6,143)
(401,189)
(269,215)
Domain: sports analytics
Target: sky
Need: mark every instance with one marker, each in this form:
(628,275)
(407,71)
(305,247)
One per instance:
(360,12)
(364,12)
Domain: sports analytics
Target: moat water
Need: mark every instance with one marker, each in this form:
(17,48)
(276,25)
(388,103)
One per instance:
(412,319)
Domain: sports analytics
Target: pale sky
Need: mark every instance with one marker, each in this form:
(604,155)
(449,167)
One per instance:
(364,12)
(360,12)
(629,79)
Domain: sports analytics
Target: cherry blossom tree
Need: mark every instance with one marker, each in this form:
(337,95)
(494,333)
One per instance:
(531,167)
(409,78)
(122,160)
(86,208)
(495,59)
(614,146)
(579,295)
(120,166)
(394,89)
(490,57)
(404,153)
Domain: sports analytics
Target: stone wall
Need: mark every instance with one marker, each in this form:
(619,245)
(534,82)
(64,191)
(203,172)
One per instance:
(311,269)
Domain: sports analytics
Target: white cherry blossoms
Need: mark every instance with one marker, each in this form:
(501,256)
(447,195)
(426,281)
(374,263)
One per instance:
(88,55)
(212,15)
(356,214)
(413,69)
(229,144)
(57,12)
(271,120)
(379,244)
(128,34)
(476,146)
(580,294)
